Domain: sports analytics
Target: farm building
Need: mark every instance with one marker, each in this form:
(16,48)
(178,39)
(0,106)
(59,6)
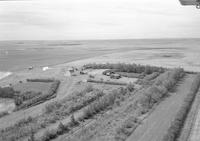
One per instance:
(115,76)
(30,68)
(71,70)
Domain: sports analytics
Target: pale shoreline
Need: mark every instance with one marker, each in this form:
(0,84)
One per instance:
(4,74)
(186,61)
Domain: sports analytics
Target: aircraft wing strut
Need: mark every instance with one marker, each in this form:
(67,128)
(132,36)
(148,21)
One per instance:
(191,2)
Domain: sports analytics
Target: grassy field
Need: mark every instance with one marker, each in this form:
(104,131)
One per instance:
(32,86)
(102,111)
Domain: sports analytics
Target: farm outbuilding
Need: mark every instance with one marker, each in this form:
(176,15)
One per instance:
(30,68)
(115,76)
(45,68)
(71,70)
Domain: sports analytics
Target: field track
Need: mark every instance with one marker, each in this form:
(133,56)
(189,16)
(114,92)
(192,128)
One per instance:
(187,131)
(195,131)
(157,124)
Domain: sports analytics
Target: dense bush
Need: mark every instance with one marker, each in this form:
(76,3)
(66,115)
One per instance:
(32,136)
(2,114)
(18,101)
(126,129)
(74,105)
(89,88)
(176,125)
(106,82)
(58,111)
(124,74)
(130,87)
(151,76)
(131,75)
(99,105)
(148,79)
(7,92)
(163,84)
(41,80)
(61,129)
(50,107)
(122,67)
(20,98)
(102,103)
(48,135)
(14,132)
(53,112)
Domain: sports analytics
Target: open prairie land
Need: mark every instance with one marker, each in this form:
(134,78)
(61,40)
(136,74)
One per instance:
(115,102)
(104,98)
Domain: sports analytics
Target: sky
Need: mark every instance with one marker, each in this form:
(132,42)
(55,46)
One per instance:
(97,19)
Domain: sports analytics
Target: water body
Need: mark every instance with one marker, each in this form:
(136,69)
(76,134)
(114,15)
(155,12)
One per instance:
(16,55)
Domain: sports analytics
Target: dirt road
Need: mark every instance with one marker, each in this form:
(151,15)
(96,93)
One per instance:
(157,124)
(195,132)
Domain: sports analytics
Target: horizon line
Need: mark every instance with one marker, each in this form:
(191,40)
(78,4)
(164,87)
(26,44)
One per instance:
(101,39)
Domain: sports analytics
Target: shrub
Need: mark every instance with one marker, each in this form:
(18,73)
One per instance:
(164,83)
(66,107)
(100,105)
(2,114)
(122,67)
(55,111)
(20,98)
(91,76)
(7,92)
(62,129)
(151,76)
(131,75)
(32,137)
(40,80)
(50,107)
(52,134)
(73,122)
(89,88)
(18,101)
(106,82)
(176,125)
(126,129)
(24,121)
(85,102)
(130,87)
(49,135)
